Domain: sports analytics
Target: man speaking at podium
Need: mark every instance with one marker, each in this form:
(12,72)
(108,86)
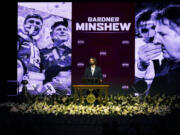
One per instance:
(93,73)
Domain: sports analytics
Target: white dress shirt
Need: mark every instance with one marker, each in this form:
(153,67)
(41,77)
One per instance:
(93,69)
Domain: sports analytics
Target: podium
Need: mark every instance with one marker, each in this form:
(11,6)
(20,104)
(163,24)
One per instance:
(90,98)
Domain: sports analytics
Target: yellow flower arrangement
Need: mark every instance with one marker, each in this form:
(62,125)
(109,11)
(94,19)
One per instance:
(116,105)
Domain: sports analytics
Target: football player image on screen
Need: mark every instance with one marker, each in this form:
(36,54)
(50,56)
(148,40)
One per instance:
(58,53)
(28,51)
(27,46)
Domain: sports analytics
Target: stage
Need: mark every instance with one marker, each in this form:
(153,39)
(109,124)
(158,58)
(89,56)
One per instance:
(121,115)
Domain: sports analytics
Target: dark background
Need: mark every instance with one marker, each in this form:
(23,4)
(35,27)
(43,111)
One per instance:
(111,43)
(8,52)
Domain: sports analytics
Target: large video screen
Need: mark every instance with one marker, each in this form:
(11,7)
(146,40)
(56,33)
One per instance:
(44,47)
(131,46)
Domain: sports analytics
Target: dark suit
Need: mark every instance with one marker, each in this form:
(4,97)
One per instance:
(167,79)
(96,76)
(140,84)
(93,79)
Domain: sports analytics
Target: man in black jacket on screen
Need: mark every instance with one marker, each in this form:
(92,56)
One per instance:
(167,79)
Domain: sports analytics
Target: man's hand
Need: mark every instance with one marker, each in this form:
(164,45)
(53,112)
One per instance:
(147,53)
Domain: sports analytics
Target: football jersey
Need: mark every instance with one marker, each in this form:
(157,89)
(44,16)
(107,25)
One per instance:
(60,55)
(29,53)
